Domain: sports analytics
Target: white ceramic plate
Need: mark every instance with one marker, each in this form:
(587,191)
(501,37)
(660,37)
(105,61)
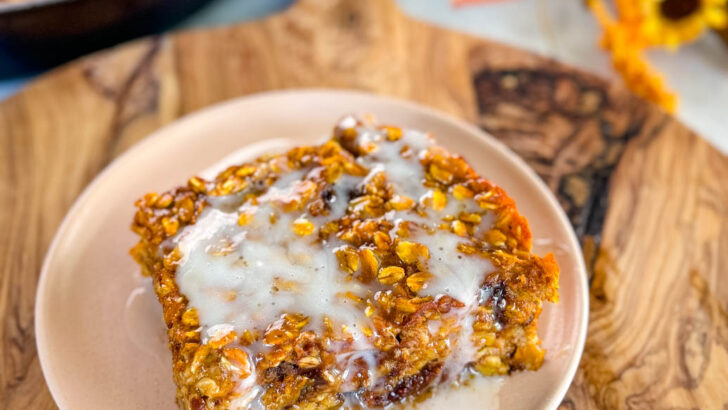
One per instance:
(99,330)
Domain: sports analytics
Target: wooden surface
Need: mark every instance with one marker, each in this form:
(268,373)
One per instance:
(647,196)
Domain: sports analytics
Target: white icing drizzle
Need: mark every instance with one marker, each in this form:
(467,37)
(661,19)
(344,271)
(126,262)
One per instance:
(229,272)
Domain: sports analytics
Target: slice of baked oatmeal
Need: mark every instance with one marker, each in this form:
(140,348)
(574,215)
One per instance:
(361,272)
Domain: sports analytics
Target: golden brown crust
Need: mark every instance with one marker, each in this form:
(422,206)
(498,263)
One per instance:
(297,368)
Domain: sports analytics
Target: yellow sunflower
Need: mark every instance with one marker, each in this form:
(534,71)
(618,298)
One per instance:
(624,41)
(673,22)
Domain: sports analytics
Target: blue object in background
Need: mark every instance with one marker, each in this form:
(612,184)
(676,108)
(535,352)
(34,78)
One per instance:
(11,86)
(14,73)
(233,11)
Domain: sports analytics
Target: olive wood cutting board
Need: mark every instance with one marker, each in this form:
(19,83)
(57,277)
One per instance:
(647,197)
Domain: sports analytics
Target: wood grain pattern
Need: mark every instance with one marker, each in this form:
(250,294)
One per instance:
(646,195)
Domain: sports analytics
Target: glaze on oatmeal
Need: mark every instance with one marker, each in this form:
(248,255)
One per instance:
(367,271)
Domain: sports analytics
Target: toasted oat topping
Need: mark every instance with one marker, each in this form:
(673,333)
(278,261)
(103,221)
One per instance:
(358,273)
